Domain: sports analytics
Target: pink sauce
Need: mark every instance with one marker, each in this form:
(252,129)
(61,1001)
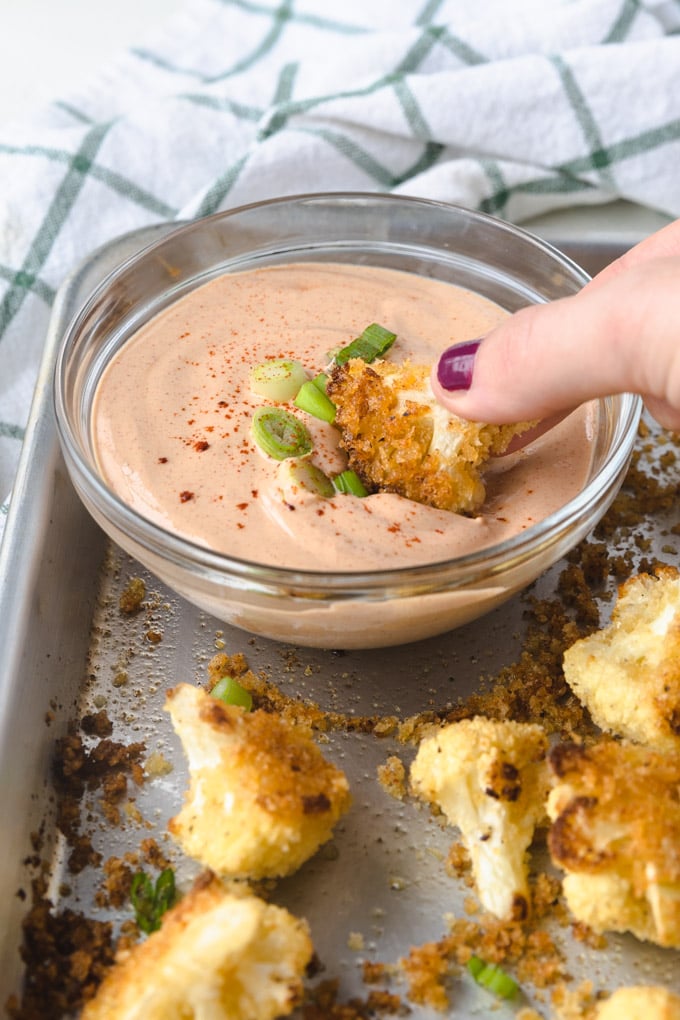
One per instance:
(171,422)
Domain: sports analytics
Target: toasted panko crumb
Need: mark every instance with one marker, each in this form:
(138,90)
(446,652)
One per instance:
(576,1003)
(426,969)
(392,777)
(268,697)
(374,972)
(60,943)
(542,964)
(322,1003)
(132,596)
(458,863)
(533,955)
(582,933)
(546,895)
(157,765)
(117,882)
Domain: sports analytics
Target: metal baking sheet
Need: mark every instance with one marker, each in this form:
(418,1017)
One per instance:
(381,886)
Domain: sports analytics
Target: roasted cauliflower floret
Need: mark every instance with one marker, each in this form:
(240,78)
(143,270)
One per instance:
(398,438)
(615,811)
(220,954)
(628,674)
(491,780)
(262,797)
(640,1002)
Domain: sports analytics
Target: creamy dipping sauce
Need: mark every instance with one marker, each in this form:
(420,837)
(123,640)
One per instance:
(172,415)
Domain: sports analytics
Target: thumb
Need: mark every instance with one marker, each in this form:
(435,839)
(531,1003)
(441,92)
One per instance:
(618,336)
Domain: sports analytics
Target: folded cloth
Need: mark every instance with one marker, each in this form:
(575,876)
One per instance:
(512,109)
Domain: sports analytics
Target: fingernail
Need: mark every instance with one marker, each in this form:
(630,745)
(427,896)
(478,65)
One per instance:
(454,370)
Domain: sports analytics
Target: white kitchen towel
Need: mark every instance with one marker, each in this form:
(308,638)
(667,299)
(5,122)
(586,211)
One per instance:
(513,108)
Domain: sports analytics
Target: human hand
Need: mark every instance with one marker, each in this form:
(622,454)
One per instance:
(621,333)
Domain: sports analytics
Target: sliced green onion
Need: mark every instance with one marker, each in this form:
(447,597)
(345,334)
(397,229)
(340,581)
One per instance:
(295,474)
(372,343)
(166,894)
(321,381)
(475,965)
(230,691)
(278,379)
(280,434)
(492,977)
(151,900)
(349,483)
(497,981)
(314,401)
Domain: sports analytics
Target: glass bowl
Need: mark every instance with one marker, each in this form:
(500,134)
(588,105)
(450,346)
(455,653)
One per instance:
(352,609)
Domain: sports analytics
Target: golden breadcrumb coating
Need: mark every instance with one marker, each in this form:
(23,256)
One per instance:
(640,1002)
(398,438)
(220,954)
(628,674)
(490,779)
(615,810)
(262,797)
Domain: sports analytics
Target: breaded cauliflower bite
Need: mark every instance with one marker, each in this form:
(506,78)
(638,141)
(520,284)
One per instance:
(262,798)
(640,1002)
(220,954)
(615,811)
(491,780)
(628,673)
(398,438)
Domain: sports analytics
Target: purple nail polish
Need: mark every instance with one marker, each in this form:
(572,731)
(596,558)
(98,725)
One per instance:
(454,370)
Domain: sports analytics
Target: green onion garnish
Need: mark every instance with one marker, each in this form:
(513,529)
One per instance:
(314,401)
(151,900)
(475,965)
(295,474)
(372,343)
(280,434)
(492,977)
(321,381)
(277,380)
(231,692)
(348,482)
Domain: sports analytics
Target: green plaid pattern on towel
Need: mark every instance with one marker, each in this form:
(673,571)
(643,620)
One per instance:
(511,108)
